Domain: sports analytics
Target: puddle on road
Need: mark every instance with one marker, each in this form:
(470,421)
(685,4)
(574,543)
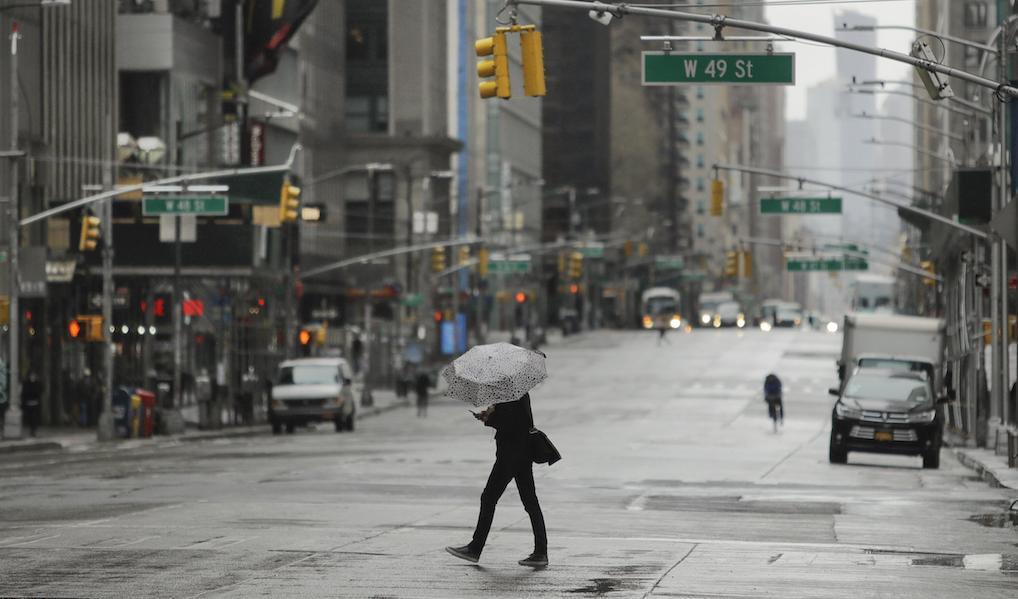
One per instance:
(1007,519)
(603,586)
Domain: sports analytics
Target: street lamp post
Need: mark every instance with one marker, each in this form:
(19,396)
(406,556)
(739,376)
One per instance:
(12,424)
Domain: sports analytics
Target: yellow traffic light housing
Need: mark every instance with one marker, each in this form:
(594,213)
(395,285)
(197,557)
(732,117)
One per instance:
(89,233)
(731,264)
(438,259)
(482,262)
(717,197)
(929,267)
(464,255)
(289,202)
(498,67)
(532,54)
(747,264)
(576,265)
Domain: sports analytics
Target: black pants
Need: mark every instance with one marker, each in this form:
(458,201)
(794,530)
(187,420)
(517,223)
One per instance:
(510,465)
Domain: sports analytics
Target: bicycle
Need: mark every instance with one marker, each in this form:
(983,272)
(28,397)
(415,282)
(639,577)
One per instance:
(775,410)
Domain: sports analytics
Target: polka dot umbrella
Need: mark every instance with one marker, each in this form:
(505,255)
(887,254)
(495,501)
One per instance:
(494,373)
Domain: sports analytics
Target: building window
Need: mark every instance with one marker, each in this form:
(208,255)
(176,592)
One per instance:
(699,93)
(976,15)
(699,138)
(699,231)
(973,56)
(699,160)
(700,186)
(361,223)
(367,66)
(700,207)
(699,115)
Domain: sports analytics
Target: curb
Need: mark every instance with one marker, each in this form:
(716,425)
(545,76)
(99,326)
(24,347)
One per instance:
(247,431)
(31,446)
(985,472)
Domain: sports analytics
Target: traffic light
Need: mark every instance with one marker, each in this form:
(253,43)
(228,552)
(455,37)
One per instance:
(627,249)
(928,266)
(89,233)
(747,264)
(5,310)
(304,336)
(482,262)
(642,250)
(731,263)
(717,197)
(321,335)
(75,328)
(532,55)
(464,255)
(289,202)
(87,326)
(521,297)
(576,265)
(498,67)
(438,259)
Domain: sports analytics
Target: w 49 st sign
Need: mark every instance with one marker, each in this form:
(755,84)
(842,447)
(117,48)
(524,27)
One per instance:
(671,68)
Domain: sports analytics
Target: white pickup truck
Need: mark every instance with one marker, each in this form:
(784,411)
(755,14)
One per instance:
(895,342)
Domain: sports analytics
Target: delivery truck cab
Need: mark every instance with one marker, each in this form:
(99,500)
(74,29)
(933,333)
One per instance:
(893,342)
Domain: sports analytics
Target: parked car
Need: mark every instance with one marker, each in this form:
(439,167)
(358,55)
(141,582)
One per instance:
(312,390)
(887,411)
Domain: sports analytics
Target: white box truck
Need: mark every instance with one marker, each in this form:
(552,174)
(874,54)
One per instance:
(894,342)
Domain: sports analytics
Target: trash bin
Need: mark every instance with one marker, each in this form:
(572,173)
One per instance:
(121,412)
(148,412)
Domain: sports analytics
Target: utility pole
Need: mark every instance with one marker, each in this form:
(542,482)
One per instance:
(104,429)
(12,423)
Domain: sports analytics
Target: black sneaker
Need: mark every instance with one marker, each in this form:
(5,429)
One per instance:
(535,560)
(465,552)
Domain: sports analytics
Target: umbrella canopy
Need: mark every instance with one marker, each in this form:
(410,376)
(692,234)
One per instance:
(494,373)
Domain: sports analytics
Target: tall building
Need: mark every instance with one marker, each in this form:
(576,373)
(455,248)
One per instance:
(67,115)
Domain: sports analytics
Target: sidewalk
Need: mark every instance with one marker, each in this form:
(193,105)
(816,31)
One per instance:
(79,439)
(988,466)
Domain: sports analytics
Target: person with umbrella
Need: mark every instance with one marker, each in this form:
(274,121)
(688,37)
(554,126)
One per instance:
(499,377)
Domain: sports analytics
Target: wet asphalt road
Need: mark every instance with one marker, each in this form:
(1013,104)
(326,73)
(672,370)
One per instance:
(672,485)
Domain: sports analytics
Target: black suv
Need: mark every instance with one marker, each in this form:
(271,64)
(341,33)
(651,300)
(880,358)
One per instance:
(887,411)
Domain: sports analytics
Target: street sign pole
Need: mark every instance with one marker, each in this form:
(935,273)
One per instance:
(12,423)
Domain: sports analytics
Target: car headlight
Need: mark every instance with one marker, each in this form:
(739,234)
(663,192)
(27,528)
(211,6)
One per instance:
(923,417)
(741,322)
(675,323)
(832,327)
(705,318)
(844,411)
(765,326)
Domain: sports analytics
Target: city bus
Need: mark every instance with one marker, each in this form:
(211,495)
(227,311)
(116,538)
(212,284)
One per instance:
(659,308)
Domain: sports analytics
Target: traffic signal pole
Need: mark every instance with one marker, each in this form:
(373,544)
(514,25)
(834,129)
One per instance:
(12,423)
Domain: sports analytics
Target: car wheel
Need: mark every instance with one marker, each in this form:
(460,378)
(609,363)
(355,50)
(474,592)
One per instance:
(339,424)
(277,427)
(837,454)
(289,428)
(931,458)
(349,421)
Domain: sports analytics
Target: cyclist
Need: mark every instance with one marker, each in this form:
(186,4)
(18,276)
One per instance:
(772,395)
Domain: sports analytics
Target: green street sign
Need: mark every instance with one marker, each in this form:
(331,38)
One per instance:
(672,68)
(800,205)
(670,262)
(592,250)
(844,247)
(509,267)
(825,264)
(204,205)
(412,300)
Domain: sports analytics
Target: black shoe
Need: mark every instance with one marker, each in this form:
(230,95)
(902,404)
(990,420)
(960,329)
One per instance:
(535,560)
(465,552)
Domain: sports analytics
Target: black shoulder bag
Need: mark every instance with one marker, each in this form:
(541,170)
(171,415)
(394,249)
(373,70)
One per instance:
(542,450)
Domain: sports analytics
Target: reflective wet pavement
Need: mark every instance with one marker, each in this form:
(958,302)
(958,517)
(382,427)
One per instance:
(672,485)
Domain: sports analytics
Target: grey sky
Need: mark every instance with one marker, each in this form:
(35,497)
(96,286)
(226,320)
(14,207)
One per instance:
(815,63)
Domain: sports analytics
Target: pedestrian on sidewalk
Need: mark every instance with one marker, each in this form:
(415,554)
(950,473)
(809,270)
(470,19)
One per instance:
(31,401)
(512,422)
(421,385)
